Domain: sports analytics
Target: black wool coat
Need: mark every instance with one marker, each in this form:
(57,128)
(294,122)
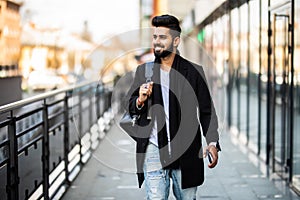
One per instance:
(190,105)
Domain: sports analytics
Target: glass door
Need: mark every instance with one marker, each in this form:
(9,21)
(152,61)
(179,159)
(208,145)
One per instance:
(281,68)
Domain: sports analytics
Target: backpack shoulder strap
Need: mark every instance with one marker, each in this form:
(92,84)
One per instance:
(149,71)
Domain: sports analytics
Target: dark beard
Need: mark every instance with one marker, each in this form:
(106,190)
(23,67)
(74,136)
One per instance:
(165,53)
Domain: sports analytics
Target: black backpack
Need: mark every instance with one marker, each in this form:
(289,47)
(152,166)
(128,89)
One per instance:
(128,123)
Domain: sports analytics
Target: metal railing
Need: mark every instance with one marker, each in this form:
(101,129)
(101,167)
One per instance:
(45,140)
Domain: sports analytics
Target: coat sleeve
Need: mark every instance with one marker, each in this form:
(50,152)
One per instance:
(208,117)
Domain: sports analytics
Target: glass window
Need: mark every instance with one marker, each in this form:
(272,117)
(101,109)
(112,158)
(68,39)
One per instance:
(243,68)
(296,131)
(254,72)
(264,76)
(233,64)
(208,39)
(219,38)
(220,58)
(208,45)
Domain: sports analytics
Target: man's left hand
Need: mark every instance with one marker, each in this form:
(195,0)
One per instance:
(214,155)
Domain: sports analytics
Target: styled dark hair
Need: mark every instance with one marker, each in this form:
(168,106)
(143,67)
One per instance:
(168,21)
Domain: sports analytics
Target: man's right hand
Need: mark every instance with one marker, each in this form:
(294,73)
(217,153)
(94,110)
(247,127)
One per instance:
(145,92)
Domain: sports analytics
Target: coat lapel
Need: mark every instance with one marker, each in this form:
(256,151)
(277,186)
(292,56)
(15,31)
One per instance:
(179,76)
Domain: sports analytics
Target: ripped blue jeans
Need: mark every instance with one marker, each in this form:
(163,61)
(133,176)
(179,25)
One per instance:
(157,180)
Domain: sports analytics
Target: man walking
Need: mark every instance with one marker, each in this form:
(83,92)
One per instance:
(169,130)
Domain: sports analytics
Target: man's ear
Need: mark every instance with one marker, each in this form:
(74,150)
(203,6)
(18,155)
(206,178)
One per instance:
(176,41)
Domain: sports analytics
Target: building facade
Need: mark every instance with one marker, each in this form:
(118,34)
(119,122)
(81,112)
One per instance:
(10,32)
(255,49)
(10,37)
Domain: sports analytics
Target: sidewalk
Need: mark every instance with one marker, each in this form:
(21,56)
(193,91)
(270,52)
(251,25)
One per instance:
(110,175)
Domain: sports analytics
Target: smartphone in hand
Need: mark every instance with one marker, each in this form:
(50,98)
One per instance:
(208,155)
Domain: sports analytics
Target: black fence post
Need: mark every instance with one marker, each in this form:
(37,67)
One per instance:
(45,152)
(98,100)
(109,99)
(12,171)
(66,137)
(90,95)
(80,124)
(106,100)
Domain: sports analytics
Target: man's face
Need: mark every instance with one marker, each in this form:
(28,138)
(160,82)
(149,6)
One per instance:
(162,42)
